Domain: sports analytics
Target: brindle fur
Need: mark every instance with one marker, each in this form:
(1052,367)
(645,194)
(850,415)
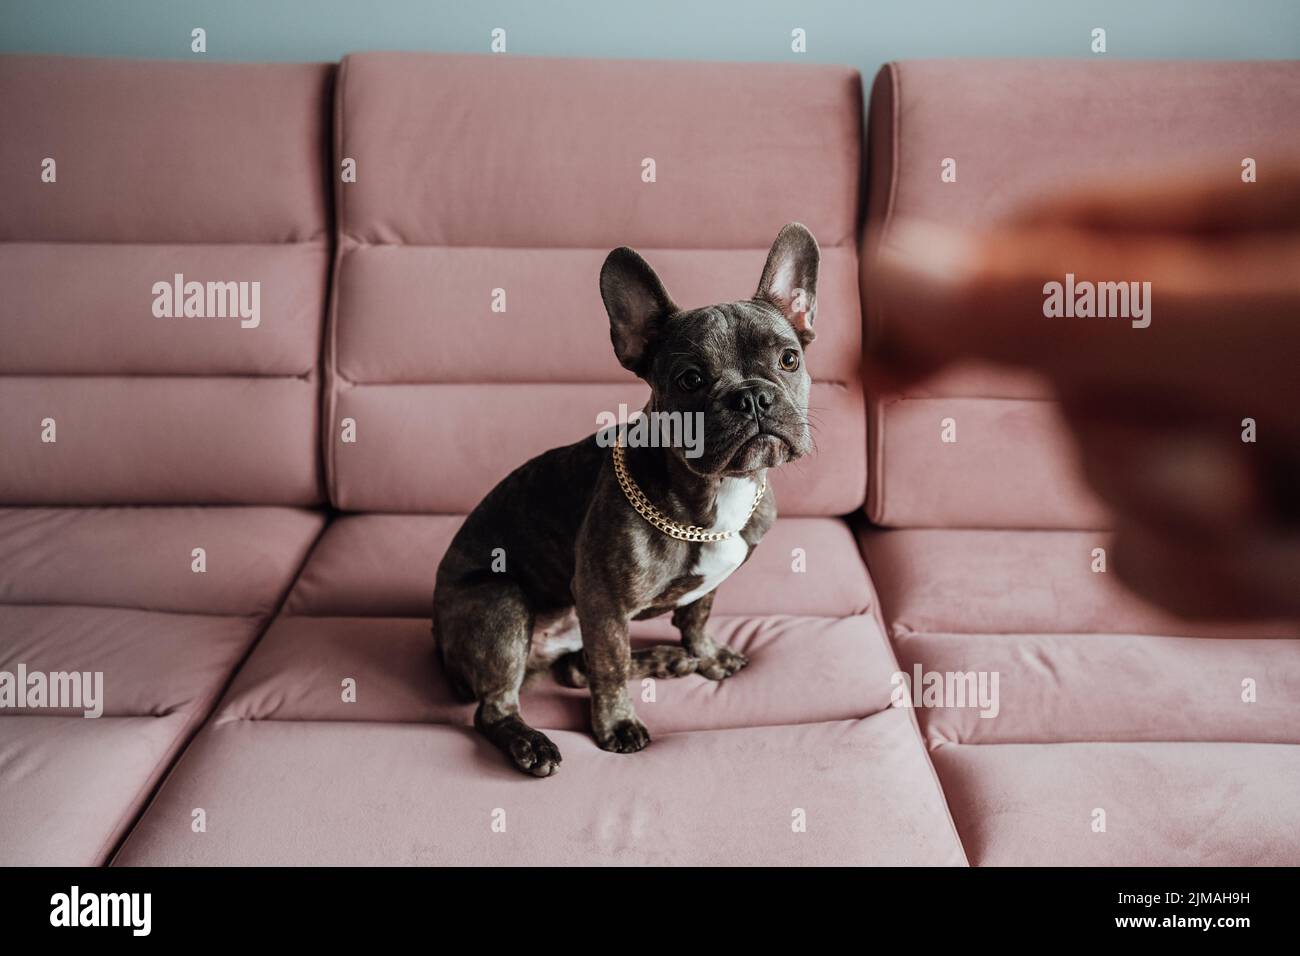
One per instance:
(571,539)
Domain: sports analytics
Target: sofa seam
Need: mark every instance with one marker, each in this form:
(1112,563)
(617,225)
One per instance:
(334,181)
(841,384)
(203,717)
(875,412)
(715,617)
(878,610)
(229,720)
(145,376)
(895,120)
(108,848)
(332,374)
(887,401)
(96,606)
(316,239)
(849,243)
(908,633)
(941,743)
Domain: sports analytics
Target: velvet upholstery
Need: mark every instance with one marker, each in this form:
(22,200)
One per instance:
(152,540)
(150,410)
(463,187)
(256,590)
(1122,736)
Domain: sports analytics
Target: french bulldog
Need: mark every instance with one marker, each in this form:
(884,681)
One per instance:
(616,532)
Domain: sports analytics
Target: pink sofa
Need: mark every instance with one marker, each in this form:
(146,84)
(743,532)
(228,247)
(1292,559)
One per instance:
(226,689)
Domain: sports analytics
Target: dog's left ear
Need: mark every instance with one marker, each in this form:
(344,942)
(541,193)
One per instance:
(790,278)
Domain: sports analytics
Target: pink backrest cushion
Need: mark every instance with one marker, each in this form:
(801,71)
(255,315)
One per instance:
(215,172)
(478,173)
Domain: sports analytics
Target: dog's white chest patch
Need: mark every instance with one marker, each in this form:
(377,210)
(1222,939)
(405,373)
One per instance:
(719,558)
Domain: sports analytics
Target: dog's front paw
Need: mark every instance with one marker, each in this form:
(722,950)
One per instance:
(722,664)
(533,752)
(623,737)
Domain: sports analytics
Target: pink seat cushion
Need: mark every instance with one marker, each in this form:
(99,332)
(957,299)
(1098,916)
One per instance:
(153,663)
(1113,687)
(385,564)
(143,557)
(1102,702)
(72,786)
(1165,804)
(111,591)
(419,794)
(362,606)
(801,670)
(807,726)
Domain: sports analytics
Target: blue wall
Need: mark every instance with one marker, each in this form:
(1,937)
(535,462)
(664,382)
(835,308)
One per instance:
(863,33)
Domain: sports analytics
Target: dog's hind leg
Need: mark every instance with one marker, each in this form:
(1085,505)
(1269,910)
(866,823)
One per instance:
(660,661)
(484,629)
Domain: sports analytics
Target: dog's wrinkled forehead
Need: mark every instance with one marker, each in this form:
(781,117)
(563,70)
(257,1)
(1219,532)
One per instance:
(725,334)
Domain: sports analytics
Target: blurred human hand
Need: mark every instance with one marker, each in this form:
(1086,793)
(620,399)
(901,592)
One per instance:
(1189,427)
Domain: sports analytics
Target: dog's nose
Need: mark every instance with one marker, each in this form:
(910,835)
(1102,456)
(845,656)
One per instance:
(752,400)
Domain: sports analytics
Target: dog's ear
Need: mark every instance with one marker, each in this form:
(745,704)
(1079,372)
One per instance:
(636,302)
(790,278)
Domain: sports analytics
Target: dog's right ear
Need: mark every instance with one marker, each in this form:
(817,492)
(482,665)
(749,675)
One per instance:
(636,302)
(790,278)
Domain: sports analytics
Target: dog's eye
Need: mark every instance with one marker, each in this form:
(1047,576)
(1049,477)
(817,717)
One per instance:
(689,380)
(789,360)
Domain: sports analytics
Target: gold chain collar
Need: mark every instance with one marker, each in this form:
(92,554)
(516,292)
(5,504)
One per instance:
(674,529)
